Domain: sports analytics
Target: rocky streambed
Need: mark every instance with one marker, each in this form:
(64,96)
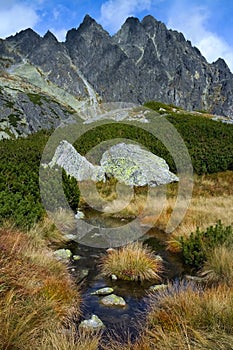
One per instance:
(112,304)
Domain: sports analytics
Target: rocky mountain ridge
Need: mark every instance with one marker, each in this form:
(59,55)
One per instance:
(44,82)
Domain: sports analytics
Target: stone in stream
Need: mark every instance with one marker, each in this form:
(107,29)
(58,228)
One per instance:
(114,277)
(63,254)
(103,291)
(158,287)
(113,300)
(70,237)
(76,257)
(93,324)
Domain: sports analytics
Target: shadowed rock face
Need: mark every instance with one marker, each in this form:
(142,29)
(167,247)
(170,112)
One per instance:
(143,61)
(129,164)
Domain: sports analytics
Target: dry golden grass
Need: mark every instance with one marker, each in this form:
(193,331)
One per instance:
(45,232)
(219,266)
(132,262)
(206,310)
(71,340)
(37,293)
(212,201)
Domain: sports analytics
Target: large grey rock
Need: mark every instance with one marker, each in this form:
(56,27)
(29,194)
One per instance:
(129,164)
(73,163)
(135,166)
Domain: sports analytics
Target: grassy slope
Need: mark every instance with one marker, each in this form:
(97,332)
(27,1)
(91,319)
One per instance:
(37,294)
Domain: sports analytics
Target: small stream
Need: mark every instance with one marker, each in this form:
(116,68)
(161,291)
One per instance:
(119,321)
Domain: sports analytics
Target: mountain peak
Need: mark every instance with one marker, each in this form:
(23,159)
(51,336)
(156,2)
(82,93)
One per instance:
(132,20)
(88,20)
(26,33)
(49,36)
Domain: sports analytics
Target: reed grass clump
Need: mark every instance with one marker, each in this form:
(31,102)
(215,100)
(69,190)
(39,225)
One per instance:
(218,268)
(134,262)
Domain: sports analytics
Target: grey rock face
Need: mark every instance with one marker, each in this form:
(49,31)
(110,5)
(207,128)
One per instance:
(24,113)
(129,164)
(143,61)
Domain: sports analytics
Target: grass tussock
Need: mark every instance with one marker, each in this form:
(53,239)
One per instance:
(134,262)
(71,340)
(37,294)
(218,268)
(202,310)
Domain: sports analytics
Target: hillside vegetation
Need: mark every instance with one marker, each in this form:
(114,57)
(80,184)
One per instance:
(210,144)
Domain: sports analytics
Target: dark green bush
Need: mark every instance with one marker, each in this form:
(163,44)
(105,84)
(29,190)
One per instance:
(20,199)
(199,243)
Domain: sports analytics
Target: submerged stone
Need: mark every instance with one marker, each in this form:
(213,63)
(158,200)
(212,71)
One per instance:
(93,324)
(113,300)
(103,291)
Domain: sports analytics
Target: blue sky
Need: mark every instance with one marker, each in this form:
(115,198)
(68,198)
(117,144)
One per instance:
(207,23)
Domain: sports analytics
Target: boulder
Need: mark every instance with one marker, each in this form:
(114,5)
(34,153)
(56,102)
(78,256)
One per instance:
(113,300)
(134,166)
(73,163)
(128,163)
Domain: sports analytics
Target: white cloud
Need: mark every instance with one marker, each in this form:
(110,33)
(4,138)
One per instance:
(115,12)
(192,22)
(15,17)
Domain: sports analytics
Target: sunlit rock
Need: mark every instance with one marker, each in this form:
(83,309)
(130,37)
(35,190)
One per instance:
(113,300)
(93,324)
(128,163)
(103,291)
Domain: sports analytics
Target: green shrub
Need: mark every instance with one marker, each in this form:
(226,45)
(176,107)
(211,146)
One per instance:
(196,247)
(20,199)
